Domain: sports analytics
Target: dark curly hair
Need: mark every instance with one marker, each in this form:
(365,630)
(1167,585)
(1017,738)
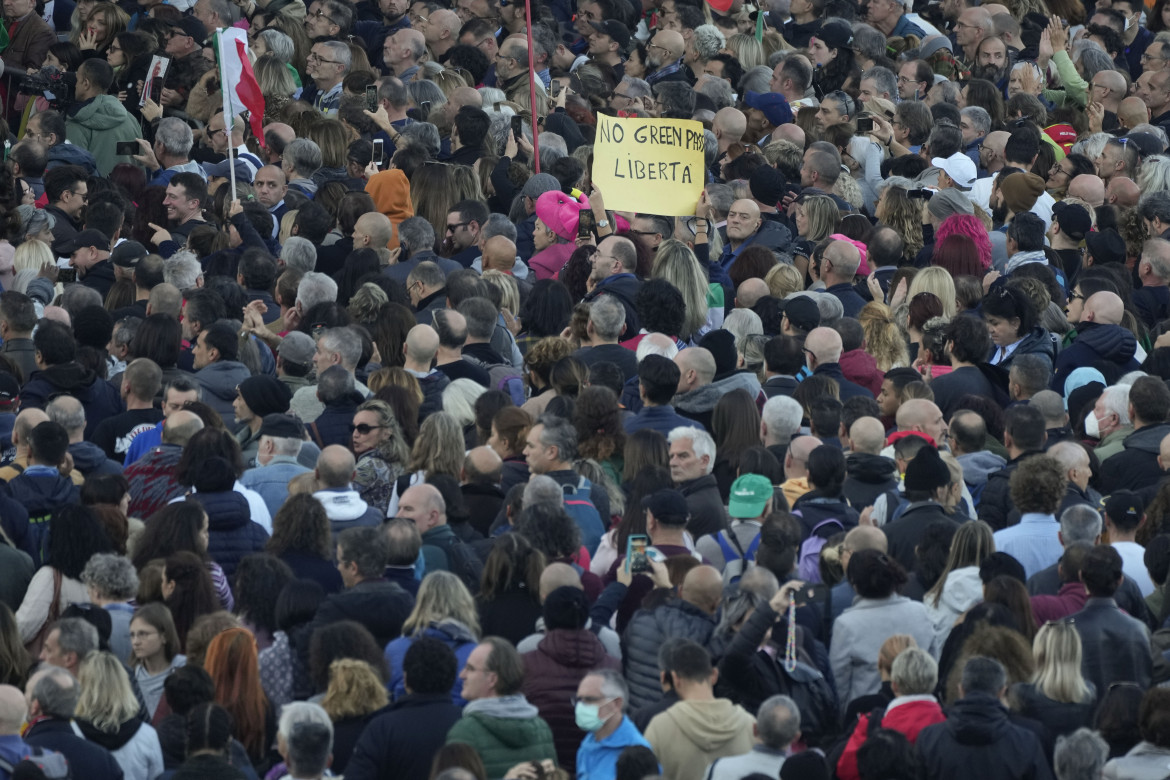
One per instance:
(301,525)
(258,582)
(207,444)
(550,530)
(344,639)
(596,417)
(661,307)
(875,575)
(547,309)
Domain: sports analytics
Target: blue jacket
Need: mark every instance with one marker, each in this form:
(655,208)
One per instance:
(233,534)
(663,419)
(848,389)
(1108,348)
(13,749)
(271,481)
(143,443)
(597,760)
(41,491)
(97,396)
(847,294)
(57,734)
(451,633)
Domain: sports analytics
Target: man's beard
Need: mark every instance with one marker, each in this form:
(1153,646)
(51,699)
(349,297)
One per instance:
(999,214)
(990,72)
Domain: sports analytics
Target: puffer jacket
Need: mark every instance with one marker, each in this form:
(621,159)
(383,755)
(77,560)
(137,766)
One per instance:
(907,715)
(646,632)
(1058,717)
(1038,342)
(98,397)
(1108,348)
(748,676)
(552,673)
(1136,466)
(233,534)
(451,633)
(504,731)
(867,477)
(978,741)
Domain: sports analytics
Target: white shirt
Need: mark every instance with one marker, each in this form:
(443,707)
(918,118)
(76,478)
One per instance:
(1133,565)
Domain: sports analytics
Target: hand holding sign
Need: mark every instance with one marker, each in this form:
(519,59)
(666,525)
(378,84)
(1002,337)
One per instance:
(650,165)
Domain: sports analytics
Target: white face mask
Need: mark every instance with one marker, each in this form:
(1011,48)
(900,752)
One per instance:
(1092,426)
(1128,22)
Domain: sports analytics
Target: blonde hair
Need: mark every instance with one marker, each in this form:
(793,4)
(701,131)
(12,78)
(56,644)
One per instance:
(441,596)
(891,649)
(883,338)
(354,690)
(107,700)
(748,50)
(676,263)
(1057,648)
(956,470)
(822,215)
(509,290)
(972,543)
(935,279)
(274,77)
(439,447)
(33,255)
(783,280)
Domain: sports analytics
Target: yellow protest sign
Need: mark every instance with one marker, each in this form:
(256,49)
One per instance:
(651,166)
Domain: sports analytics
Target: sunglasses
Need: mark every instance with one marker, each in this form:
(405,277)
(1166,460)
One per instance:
(365,429)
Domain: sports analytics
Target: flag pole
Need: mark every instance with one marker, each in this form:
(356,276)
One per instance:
(532,84)
(228,111)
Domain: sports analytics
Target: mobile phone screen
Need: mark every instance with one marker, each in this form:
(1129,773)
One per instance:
(636,553)
(376,159)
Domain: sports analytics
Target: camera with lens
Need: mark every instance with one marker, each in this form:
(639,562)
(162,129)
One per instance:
(51,83)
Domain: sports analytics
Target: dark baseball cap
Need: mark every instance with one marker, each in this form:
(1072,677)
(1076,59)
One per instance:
(1073,218)
(9,388)
(615,30)
(85,238)
(802,313)
(282,426)
(1106,246)
(191,26)
(127,254)
(668,506)
(772,105)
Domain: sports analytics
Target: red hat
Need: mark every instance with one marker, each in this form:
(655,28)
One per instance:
(1062,135)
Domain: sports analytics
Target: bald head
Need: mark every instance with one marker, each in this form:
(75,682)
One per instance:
(373,230)
(1132,112)
(672,42)
(730,124)
(1069,455)
(843,259)
(916,414)
(697,366)
(25,422)
(703,587)
(866,537)
(13,710)
(460,97)
(800,447)
(181,426)
(1089,188)
(750,292)
(867,435)
(57,314)
(1104,308)
(790,132)
(482,466)
(422,343)
(824,343)
(558,575)
(282,131)
(335,467)
(499,254)
(1122,191)
(996,141)
(443,23)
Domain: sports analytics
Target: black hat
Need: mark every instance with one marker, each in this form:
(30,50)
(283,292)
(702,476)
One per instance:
(9,388)
(193,27)
(806,765)
(668,506)
(1125,508)
(802,313)
(926,471)
(721,344)
(127,254)
(265,395)
(1073,218)
(767,185)
(1106,246)
(835,35)
(282,426)
(1146,143)
(566,607)
(615,30)
(85,238)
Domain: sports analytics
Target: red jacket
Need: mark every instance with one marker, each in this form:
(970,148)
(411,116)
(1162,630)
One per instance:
(1069,600)
(908,718)
(859,367)
(552,673)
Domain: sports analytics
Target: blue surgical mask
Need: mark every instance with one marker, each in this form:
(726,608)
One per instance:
(588,717)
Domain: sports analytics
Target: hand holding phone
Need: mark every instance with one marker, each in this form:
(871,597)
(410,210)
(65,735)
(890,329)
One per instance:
(378,156)
(636,553)
(586,224)
(372,98)
(126,148)
(865,124)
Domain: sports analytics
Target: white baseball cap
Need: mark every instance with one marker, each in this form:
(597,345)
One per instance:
(959,167)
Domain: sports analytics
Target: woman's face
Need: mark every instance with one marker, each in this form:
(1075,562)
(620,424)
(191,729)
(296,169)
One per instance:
(1075,306)
(114,54)
(1166,15)
(145,640)
(801,220)
(259,47)
(84,9)
(497,443)
(1004,332)
(819,53)
(368,433)
(27,196)
(258,24)
(98,27)
(879,211)
(51,59)
(635,68)
(542,237)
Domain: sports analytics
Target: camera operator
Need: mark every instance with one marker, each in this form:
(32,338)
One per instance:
(31,37)
(97,121)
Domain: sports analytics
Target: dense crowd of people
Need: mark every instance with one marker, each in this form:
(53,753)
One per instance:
(361,439)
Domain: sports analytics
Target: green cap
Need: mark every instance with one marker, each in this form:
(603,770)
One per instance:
(749,495)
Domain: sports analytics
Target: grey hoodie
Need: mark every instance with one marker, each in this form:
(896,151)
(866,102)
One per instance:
(703,399)
(977,466)
(514,707)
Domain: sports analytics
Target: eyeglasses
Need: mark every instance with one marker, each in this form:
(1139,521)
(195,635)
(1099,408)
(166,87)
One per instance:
(365,429)
(1146,57)
(322,15)
(662,49)
(83,195)
(214,133)
(643,232)
(961,25)
(314,57)
(457,225)
(419,19)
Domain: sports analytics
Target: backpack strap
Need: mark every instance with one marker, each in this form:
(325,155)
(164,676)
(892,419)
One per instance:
(316,434)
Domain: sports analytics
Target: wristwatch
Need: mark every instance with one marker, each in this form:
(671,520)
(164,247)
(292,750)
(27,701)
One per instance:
(603,223)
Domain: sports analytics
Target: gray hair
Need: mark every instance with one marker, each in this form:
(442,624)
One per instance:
(1094,61)
(183,270)
(77,296)
(174,136)
(67,411)
(949,91)
(983,675)
(1116,398)
(37,221)
(718,91)
(1155,205)
(481,315)
(1157,131)
(228,14)
(341,55)
(493,95)
(1080,755)
(914,671)
(636,88)
(607,316)
(278,44)
(125,330)
(979,118)
(1092,146)
(778,722)
(543,489)
(560,433)
(315,287)
(782,414)
(884,78)
(552,145)
(710,154)
(417,232)
(306,727)
(1154,174)
(1080,523)
(758,79)
(613,685)
(498,225)
(870,42)
(112,576)
(334,384)
(423,134)
(57,692)
(708,40)
(284,445)
(76,635)
(701,442)
(648,347)
(344,343)
(299,254)
(303,155)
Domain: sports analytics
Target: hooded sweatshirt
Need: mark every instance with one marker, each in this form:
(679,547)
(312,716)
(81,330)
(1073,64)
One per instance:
(505,731)
(90,459)
(346,509)
(698,404)
(99,398)
(978,466)
(98,126)
(963,589)
(691,734)
(220,380)
(867,477)
(134,745)
(391,193)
